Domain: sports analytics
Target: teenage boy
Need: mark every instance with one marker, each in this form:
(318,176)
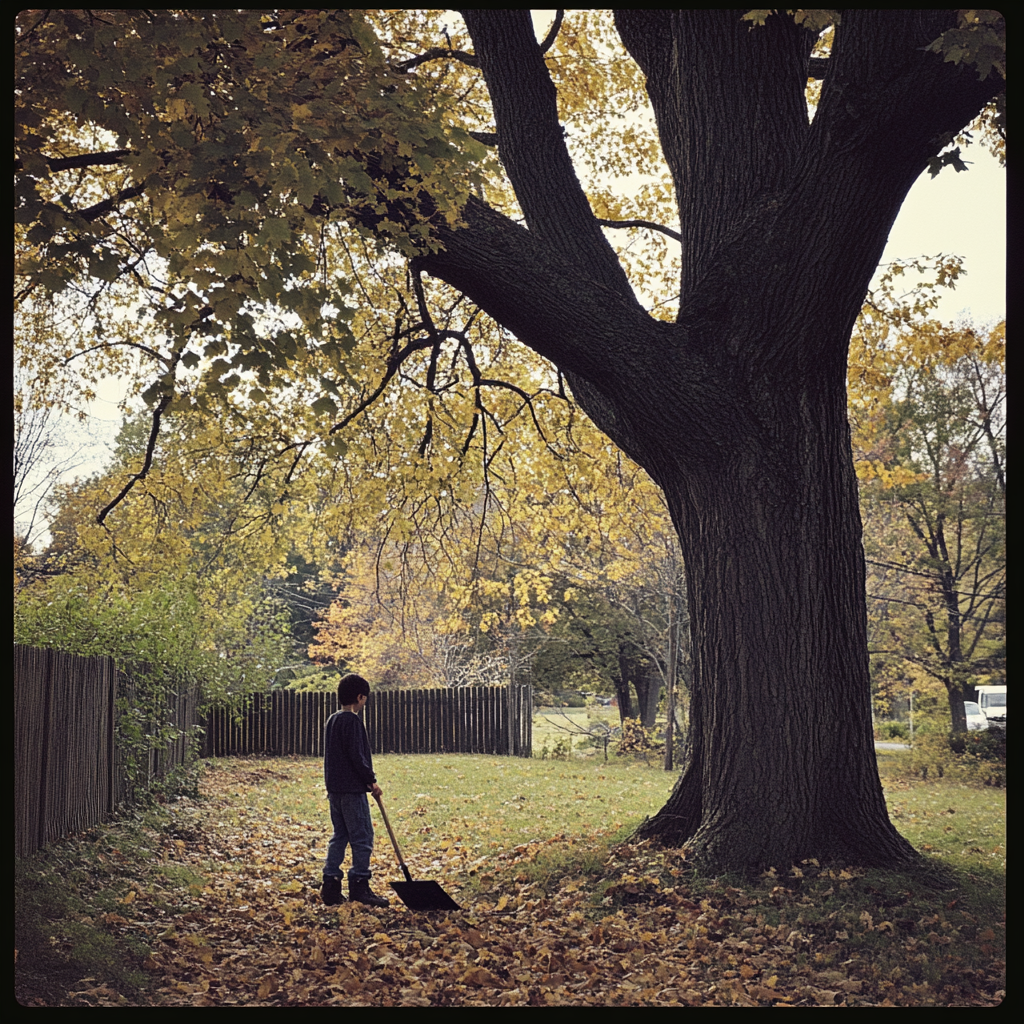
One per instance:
(348,775)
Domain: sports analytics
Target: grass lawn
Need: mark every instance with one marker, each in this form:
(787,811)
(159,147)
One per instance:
(214,901)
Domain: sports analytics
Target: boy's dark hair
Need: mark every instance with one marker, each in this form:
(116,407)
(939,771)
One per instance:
(350,687)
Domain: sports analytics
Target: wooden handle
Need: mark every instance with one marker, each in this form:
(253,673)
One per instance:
(394,841)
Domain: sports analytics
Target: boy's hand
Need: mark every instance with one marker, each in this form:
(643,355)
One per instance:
(376,790)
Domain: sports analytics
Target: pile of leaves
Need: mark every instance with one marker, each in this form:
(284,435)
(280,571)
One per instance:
(229,914)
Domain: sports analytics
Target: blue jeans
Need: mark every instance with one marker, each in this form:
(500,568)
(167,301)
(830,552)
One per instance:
(350,816)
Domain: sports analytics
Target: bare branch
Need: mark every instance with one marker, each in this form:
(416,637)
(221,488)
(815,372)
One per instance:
(124,344)
(154,432)
(527,400)
(436,53)
(394,363)
(641,224)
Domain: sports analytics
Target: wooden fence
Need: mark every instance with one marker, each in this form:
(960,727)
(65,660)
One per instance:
(70,770)
(469,720)
(71,766)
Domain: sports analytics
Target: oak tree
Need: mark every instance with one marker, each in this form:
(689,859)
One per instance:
(737,408)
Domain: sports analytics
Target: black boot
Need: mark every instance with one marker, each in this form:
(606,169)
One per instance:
(330,891)
(359,891)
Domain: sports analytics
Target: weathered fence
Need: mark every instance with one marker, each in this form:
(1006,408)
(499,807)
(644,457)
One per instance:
(468,720)
(282,722)
(63,744)
(74,763)
(70,768)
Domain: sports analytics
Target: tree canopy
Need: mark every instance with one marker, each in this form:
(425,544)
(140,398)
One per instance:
(209,200)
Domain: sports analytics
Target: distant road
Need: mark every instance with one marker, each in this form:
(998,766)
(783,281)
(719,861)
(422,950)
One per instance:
(887,745)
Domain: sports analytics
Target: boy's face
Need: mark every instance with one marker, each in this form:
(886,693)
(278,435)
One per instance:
(361,701)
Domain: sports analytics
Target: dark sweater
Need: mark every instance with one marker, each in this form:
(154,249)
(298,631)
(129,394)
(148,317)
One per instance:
(348,763)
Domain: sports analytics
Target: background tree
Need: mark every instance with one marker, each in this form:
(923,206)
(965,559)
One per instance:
(194,544)
(731,394)
(933,486)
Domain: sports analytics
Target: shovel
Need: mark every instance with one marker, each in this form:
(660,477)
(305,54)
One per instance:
(416,895)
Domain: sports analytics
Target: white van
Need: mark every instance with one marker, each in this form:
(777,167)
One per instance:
(992,700)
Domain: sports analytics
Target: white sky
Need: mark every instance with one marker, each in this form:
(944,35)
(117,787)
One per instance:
(962,213)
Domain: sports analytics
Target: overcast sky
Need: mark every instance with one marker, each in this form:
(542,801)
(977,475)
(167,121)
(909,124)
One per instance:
(963,213)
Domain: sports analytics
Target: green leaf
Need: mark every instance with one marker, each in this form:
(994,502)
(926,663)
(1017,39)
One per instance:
(325,406)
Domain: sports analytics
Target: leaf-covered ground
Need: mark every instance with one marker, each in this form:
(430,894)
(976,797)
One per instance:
(227,910)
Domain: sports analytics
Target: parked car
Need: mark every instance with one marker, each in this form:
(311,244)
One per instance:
(975,718)
(992,701)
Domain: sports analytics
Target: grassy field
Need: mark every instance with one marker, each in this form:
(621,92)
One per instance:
(552,726)
(213,901)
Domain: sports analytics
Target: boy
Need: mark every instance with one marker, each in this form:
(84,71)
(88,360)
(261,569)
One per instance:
(348,775)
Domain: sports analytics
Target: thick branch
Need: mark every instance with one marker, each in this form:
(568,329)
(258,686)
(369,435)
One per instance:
(817,67)
(532,146)
(517,279)
(549,39)
(98,210)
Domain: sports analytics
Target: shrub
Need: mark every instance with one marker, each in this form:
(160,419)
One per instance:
(562,750)
(571,699)
(977,758)
(636,740)
(987,745)
(893,731)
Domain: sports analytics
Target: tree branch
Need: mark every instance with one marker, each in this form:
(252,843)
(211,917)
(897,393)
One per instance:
(509,272)
(817,67)
(552,35)
(394,363)
(67,163)
(532,144)
(436,53)
(154,432)
(640,224)
(91,213)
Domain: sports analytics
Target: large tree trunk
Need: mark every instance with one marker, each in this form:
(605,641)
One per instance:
(780,760)
(737,410)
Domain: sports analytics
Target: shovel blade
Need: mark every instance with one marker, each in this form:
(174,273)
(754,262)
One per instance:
(424,896)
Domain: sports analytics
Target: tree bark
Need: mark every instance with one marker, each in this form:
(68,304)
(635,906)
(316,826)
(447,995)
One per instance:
(622,694)
(780,758)
(738,410)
